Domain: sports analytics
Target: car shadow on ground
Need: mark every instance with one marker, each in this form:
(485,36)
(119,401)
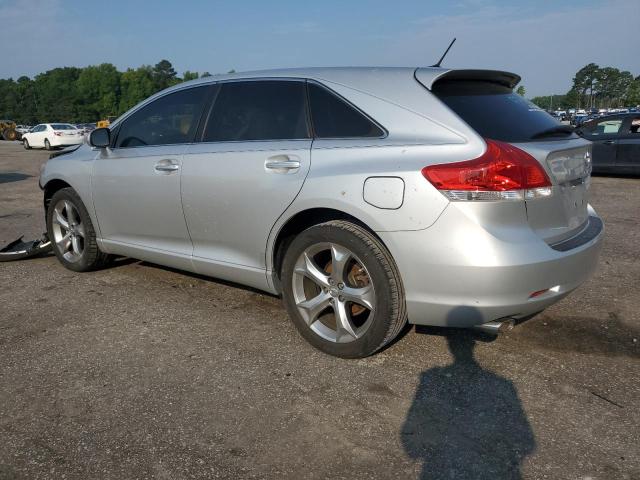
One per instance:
(13,177)
(466,421)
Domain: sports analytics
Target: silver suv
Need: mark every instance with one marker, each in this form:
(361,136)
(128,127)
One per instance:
(366,197)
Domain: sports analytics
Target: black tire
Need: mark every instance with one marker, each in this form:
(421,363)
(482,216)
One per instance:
(25,144)
(390,306)
(47,145)
(92,258)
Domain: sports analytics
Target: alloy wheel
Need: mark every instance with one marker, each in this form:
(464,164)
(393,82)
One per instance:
(68,231)
(333,292)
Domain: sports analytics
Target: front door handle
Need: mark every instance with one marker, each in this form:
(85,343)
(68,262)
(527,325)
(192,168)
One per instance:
(609,142)
(282,163)
(166,166)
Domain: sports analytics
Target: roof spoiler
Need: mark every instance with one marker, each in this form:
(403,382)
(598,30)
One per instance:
(430,76)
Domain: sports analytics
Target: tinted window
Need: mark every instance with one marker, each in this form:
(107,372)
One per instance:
(168,120)
(62,126)
(258,110)
(334,118)
(494,111)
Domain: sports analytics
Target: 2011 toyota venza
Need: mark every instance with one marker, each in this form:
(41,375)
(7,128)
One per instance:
(366,197)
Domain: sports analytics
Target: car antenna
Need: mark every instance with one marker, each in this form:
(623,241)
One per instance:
(445,53)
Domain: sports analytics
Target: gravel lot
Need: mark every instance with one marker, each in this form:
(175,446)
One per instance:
(138,371)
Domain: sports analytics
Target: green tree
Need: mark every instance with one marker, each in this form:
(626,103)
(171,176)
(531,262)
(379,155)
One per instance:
(98,92)
(632,95)
(585,80)
(521,91)
(57,95)
(164,75)
(189,76)
(135,86)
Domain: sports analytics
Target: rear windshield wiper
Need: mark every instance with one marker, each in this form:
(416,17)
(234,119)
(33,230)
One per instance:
(557,130)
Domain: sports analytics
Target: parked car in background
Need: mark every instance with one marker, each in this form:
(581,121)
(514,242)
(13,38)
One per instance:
(578,119)
(86,127)
(22,129)
(616,143)
(52,135)
(435,196)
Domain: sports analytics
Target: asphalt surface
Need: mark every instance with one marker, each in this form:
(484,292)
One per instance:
(138,371)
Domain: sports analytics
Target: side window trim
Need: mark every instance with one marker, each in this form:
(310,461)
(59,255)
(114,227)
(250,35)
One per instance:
(385,132)
(206,112)
(207,98)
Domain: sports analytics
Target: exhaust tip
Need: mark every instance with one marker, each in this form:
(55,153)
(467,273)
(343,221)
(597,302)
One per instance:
(496,327)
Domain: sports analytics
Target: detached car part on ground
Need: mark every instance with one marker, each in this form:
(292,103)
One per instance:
(366,197)
(20,249)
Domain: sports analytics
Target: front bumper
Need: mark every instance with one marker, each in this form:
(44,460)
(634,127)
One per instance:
(458,273)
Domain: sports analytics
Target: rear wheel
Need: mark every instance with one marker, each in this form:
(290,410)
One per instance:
(25,144)
(342,290)
(9,134)
(47,145)
(71,232)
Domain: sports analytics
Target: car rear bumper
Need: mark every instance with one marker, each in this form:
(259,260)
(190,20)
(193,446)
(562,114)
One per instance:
(457,273)
(66,142)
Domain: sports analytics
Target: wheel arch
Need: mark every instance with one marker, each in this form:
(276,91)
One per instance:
(50,188)
(299,222)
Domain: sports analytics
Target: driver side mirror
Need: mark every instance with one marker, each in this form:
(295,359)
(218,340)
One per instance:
(100,138)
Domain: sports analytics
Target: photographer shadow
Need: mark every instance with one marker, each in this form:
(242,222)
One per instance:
(465,421)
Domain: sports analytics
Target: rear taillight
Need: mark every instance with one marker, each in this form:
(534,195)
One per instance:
(57,134)
(503,172)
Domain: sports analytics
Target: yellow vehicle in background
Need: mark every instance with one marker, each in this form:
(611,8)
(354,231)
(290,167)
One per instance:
(8,130)
(106,122)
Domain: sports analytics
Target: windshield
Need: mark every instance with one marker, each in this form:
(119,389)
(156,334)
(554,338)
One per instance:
(62,126)
(494,111)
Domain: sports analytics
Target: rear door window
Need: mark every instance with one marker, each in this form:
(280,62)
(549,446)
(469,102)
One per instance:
(333,117)
(168,120)
(603,128)
(258,110)
(494,111)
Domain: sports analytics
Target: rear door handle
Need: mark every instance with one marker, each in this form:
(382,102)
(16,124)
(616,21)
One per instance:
(282,163)
(609,142)
(166,166)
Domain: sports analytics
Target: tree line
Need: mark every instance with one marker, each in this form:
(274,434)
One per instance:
(596,87)
(80,95)
(83,95)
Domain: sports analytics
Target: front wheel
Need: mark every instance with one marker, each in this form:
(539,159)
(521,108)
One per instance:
(343,290)
(71,233)
(25,144)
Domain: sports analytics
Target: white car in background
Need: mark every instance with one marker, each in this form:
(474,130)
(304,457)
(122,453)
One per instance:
(52,135)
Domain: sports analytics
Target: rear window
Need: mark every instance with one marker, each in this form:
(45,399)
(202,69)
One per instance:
(494,111)
(334,118)
(62,126)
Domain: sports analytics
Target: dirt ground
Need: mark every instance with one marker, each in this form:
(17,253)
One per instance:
(138,371)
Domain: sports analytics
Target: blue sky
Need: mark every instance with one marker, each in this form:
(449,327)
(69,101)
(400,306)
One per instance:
(544,41)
